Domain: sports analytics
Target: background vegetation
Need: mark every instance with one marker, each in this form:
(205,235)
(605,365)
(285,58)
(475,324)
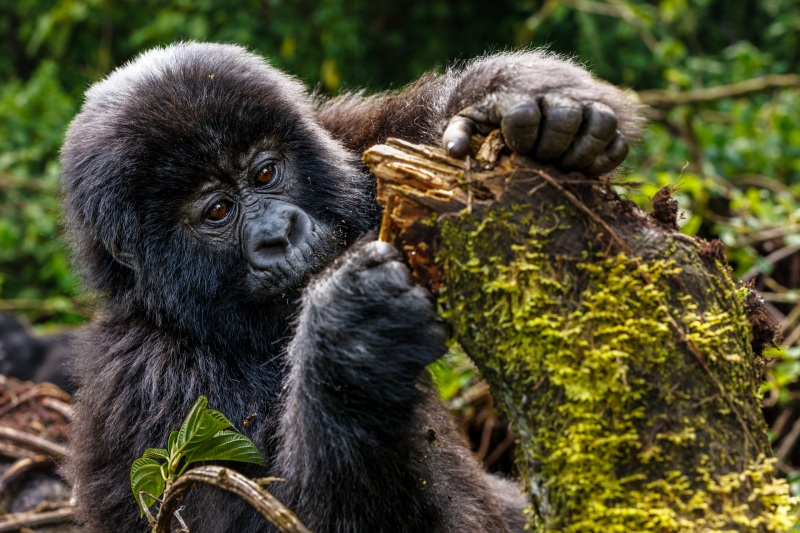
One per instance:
(736,159)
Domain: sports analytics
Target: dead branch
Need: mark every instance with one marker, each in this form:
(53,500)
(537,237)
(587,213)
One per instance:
(21,467)
(669,98)
(33,442)
(18,521)
(234,482)
(626,356)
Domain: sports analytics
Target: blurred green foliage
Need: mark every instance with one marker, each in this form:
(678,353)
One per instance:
(736,160)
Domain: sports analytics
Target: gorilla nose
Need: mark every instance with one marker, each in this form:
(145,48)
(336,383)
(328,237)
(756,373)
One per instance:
(268,237)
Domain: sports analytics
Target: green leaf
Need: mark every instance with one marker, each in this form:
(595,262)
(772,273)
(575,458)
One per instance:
(211,423)
(173,436)
(226,446)
(200,425)
(191,424)
(146,477)
(219,417)
(155,453)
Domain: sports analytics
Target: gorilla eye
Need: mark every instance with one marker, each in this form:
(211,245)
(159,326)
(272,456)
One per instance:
(219,210)
(267,175)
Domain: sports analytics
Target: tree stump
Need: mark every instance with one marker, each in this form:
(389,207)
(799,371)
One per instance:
(626,356)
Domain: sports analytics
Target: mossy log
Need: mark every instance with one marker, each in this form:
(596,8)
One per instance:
(626,356)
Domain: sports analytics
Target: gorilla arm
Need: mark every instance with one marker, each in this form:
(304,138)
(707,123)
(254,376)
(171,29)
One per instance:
(546,106)
(366,444)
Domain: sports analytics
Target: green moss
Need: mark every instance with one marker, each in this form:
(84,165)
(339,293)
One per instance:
(620,427)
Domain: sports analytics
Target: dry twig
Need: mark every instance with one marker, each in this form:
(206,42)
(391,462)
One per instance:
(15,522)
(232,481)
(667,99)
(33,442)
(20,467)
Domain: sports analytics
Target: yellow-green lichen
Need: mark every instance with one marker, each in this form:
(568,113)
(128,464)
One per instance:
(636,401)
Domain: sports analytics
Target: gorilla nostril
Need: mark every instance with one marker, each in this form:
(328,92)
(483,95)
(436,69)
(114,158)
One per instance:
(265,244)
(268,238)
(269,243)
(298,227)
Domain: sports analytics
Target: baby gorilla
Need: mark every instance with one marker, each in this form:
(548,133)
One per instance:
(212,205)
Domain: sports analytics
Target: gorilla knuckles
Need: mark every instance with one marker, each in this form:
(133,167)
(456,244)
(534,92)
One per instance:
(203,189)
(551,128)
(387,306)
(558,114)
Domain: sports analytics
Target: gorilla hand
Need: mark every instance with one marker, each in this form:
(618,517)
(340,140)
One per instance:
(573,135)
(371,327)
(356,404)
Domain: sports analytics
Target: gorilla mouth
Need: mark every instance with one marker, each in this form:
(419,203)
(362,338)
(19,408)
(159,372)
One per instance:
(291,271)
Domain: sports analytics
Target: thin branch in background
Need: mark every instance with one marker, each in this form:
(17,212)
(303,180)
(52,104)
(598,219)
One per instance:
(770,233)
(79,305)
(15,452)
(781,421)
(771,259)
(790,321)
(670,98)
(788,443)
(616,9)
(793,336)
(500,449)
(789,297)
(21,467)
(486,437)
(759,181)
(19,521)
(612,8)
(64,409)
(536,20)
(628,15)
(32,442)
(40,390)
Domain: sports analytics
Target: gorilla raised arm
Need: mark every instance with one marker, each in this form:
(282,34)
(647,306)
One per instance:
(208,198)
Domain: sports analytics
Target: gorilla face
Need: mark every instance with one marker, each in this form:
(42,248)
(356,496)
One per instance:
(258,215)
(206,184)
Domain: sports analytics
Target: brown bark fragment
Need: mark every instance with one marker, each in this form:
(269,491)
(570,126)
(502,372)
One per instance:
(665,208)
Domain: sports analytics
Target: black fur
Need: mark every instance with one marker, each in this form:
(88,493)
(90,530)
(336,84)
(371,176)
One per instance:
(343,410)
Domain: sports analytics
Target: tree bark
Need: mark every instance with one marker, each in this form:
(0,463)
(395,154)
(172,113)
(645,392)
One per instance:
(626,356)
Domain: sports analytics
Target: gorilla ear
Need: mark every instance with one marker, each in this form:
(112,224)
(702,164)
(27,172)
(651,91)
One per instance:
(126,259)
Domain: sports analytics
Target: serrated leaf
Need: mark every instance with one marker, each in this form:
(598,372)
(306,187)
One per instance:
(191,424)
(226,446)
(146,477)
(219,417)
(173,436)
(155,453)
(208,428)
(199,426)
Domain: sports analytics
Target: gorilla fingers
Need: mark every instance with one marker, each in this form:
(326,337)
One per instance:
(368,324)
(551,128)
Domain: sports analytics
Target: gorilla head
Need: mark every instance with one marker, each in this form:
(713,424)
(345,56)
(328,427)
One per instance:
(197,179)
